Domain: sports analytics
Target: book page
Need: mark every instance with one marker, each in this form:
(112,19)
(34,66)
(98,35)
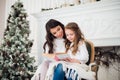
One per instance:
(56,57)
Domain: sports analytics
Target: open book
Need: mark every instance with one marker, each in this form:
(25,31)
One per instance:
(56,57)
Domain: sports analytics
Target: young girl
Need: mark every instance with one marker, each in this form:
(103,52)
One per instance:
(75,46)
(55,37)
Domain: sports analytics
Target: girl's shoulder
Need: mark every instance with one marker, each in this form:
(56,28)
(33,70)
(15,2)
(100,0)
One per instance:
(81,42)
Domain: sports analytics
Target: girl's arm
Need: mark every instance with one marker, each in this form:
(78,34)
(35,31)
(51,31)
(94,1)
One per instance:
(72,60)
(82,54)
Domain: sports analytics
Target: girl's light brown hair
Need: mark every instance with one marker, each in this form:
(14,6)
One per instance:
(78,36)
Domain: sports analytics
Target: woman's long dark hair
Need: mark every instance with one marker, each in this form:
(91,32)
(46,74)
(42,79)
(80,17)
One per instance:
(52,23)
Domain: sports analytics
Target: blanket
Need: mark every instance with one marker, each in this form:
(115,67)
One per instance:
(81,70)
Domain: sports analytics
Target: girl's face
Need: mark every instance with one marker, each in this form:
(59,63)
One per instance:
(57,31)
(70,35)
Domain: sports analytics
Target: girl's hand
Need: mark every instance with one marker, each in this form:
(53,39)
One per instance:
(65,59)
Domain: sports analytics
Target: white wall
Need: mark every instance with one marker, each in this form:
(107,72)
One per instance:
(2,18)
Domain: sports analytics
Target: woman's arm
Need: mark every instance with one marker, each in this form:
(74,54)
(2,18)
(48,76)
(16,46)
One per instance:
(48,55)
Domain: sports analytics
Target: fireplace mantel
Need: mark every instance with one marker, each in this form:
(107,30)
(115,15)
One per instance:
(99,21)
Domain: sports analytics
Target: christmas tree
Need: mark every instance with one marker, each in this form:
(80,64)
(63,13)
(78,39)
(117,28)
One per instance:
(15,62)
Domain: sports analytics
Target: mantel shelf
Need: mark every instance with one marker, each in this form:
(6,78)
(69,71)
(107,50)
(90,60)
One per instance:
(82,9)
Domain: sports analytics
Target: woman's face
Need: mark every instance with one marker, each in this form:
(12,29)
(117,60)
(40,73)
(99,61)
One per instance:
(57,31)
(70,35)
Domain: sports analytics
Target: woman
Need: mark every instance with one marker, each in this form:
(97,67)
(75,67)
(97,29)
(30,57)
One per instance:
(55,36)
